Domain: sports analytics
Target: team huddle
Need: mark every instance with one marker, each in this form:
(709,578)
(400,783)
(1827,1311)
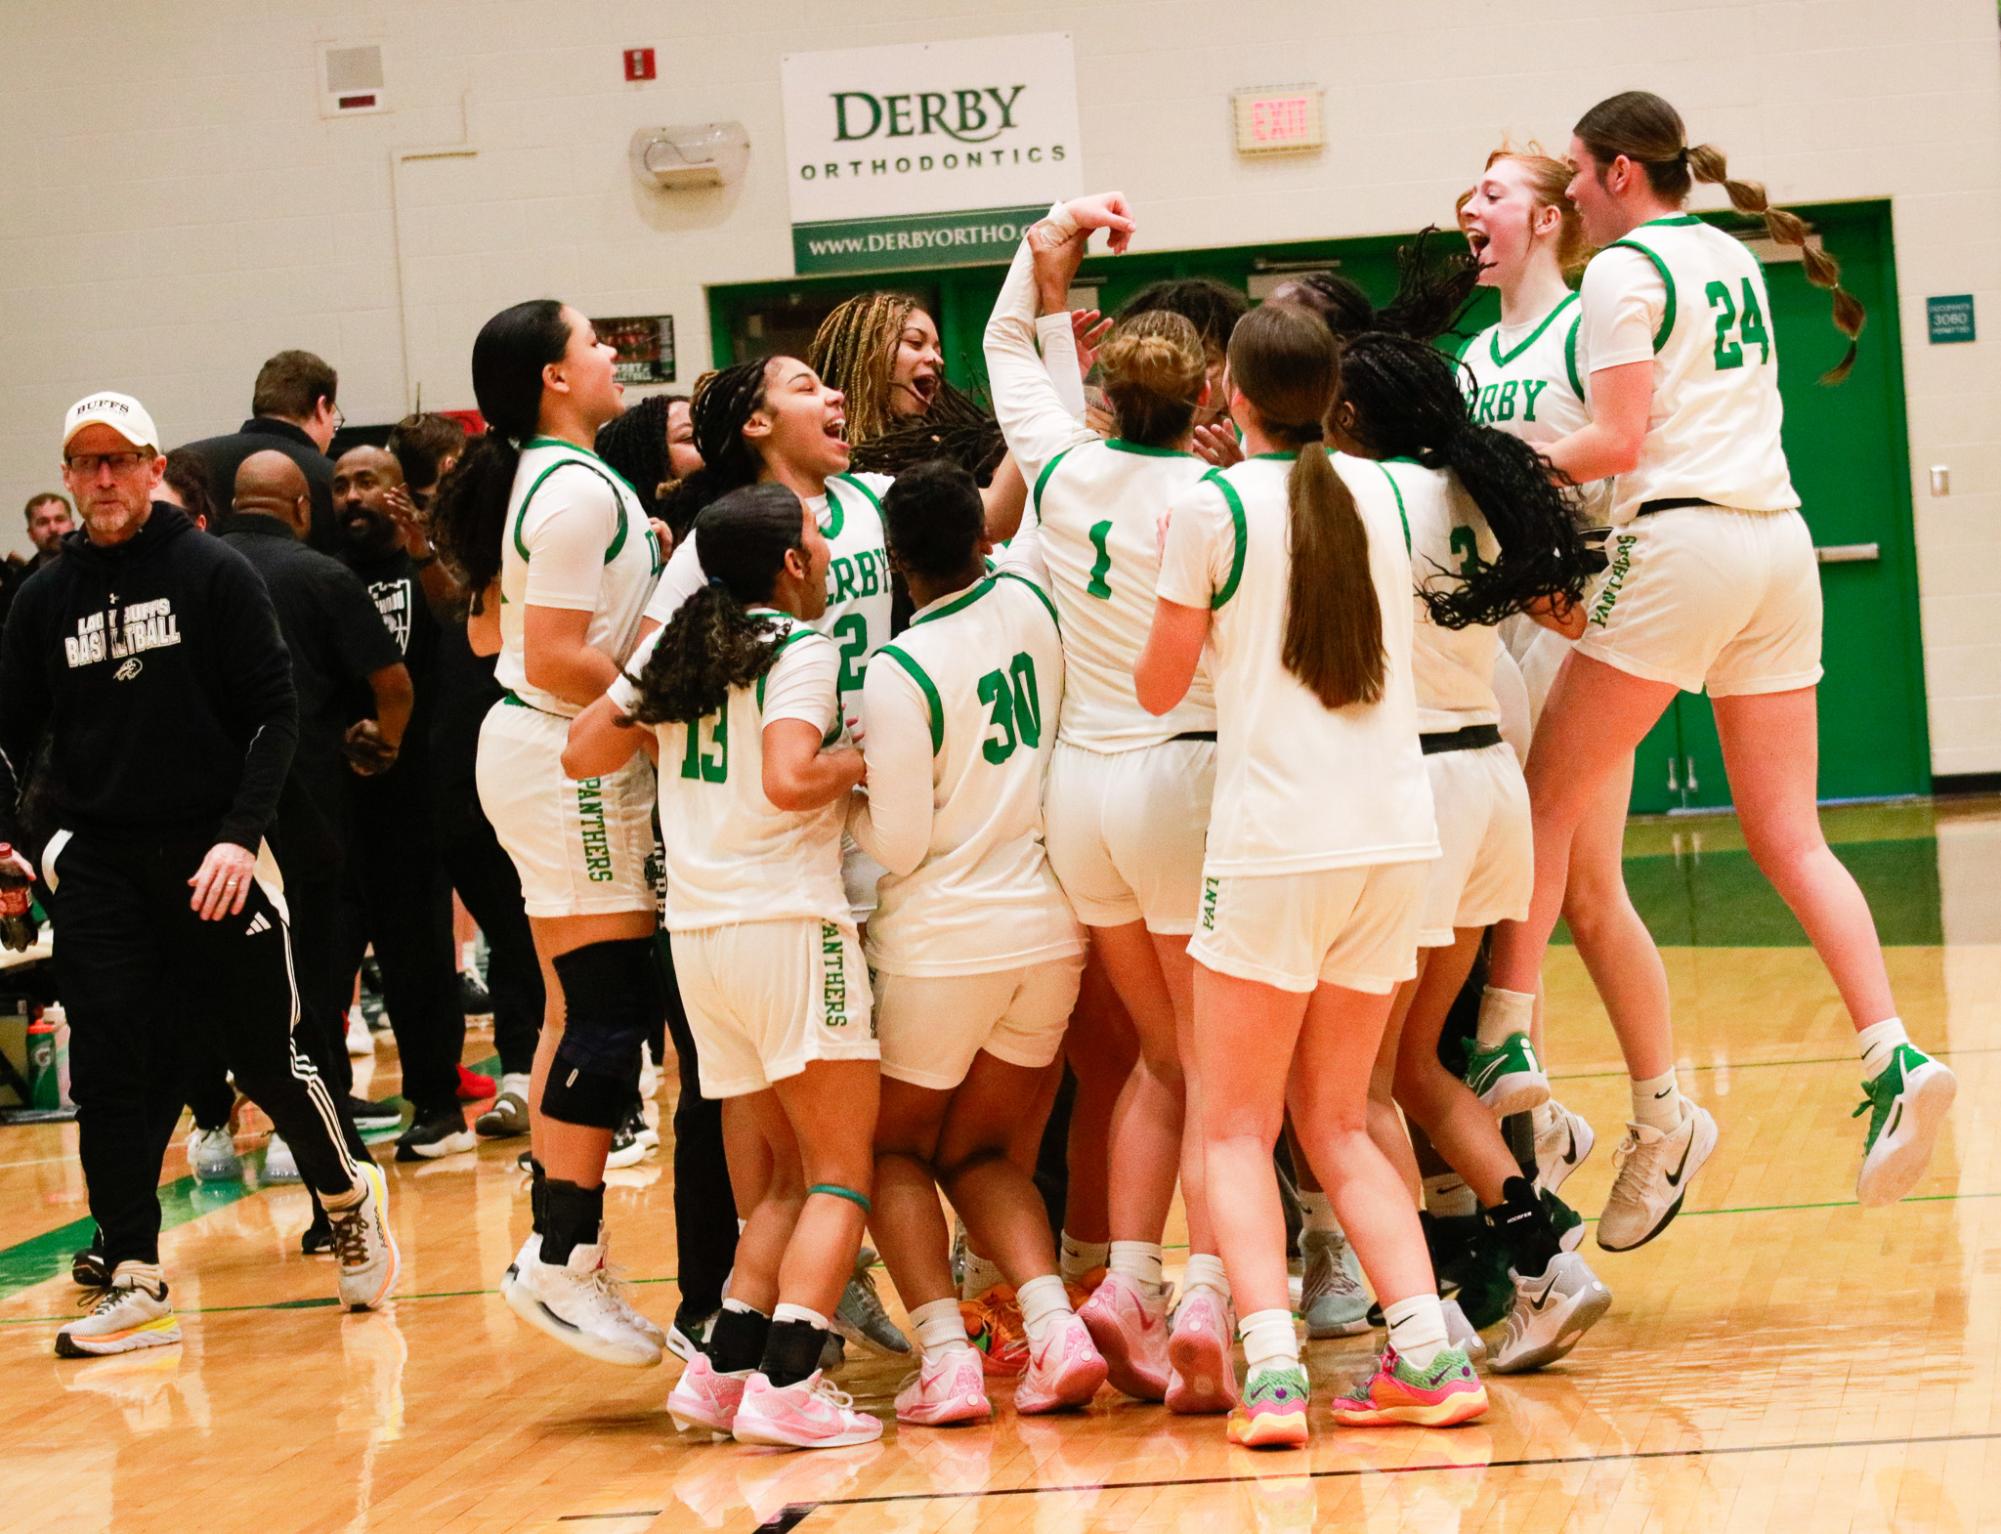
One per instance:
(1206,719)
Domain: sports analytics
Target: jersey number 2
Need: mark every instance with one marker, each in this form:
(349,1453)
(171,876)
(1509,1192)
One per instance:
(1016,709)
(698,762)
(851,629)
(1750,326)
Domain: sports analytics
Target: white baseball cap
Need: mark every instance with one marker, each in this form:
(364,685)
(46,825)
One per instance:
(121,412)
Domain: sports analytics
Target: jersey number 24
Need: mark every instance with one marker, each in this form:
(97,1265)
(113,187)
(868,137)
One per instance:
(1749,325)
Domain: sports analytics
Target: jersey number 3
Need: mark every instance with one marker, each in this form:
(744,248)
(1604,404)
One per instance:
(1016,709)
(1750,326)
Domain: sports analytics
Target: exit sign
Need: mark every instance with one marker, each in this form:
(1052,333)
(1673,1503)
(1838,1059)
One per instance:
(1278,119)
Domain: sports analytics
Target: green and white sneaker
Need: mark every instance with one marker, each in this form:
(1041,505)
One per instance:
(1331,1295)
(1508,1077)
(1568,1222)
(1909,1098)
(131,1313)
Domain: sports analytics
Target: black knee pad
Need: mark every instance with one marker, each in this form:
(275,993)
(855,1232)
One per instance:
(575,1094)
(611,1001)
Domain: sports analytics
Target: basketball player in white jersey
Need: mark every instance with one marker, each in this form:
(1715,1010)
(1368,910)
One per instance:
(1128,796)
(1711,584)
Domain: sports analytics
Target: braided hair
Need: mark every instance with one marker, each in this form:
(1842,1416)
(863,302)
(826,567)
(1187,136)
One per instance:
(724,401)
(855,350)
(1434,288)
(1407,403)
(713,643)
(635,444)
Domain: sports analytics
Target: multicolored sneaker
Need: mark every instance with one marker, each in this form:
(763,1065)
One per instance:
(1065,1371)
(1272,1414)
(809,1415)
(1907,1103)
(994,1327)
(130,1313)
(1082,1289)
(1444,1395)
(1201,1375)
(1568,1223)
(1129,1327)
(1508,1077)
(1331,1295)
(702,1398)
(1561,1146)
(948,1388)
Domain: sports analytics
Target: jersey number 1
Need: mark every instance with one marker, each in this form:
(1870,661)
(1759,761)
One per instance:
(1097,586)
(1750,326)
(1016,709)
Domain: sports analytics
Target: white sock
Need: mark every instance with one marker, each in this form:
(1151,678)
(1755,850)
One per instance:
(1543,1116)
(1879,1043)
(787,1312)
(517,1082)
(1447,1197)
(1044,1302)
(939,1327)
(1270,1341)
(1317,1213)
(1080,1257)
(980,1276)
(1138,1260)
(1503,1013)
(1205,1271)
(1417,1328)
(1657,1102)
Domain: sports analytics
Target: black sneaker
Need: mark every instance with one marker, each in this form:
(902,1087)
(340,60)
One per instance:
(318,1239)
(628,1141)
(375,1115)
(474,999)
(434,1133)
(87,1268)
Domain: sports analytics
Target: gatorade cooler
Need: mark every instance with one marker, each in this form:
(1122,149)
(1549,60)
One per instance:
(44,1085)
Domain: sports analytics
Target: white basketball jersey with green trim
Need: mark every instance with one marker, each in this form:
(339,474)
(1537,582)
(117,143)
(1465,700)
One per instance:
(1453,669)
(1714,430)
(984,671)
(1100,505)
(588,520)
(1525,381)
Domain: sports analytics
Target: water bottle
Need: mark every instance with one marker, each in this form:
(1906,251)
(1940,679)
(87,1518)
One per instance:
(18,929)
(44,1089)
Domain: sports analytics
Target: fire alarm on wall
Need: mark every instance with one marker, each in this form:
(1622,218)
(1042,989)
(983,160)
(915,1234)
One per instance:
(639,63)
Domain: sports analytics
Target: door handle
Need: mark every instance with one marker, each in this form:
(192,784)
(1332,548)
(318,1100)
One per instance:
(1848,553)
(1693,786)
(1673,786)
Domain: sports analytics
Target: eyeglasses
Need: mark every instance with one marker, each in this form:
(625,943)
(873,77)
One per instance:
(339,420)
(87,464)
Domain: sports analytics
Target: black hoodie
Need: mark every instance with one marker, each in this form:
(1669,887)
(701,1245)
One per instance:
(156,670)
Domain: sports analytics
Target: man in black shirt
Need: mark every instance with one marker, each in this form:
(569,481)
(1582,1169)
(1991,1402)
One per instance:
(292,411)
(149,658)
(397,893)
(338,645)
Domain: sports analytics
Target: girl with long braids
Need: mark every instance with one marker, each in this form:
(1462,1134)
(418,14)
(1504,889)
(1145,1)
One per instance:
(1711,584)
(1491,536)
(652,445)
(1288,575)
(743,698)
(1128,795)
(543,529)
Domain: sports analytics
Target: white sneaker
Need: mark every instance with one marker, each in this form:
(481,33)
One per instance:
(577,1304)
(212,1155)
(132,1313)
(364,1246)
(1459,1332)
(1655,1170)
(278,1163)
(1561,1148)
(649,1074)
(1910,1098)
(1551,1312)
(627,1146)
(360,1042)
(531,1251)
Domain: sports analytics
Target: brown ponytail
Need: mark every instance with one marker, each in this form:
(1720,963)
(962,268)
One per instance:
(1649,132)
(1284,361)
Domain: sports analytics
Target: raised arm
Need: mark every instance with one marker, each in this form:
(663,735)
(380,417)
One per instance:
(1032,415)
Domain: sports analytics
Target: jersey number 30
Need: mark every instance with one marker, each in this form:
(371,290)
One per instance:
(1016,709)
(1750,326)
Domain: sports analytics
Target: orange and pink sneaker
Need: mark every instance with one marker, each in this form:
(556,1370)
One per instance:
(993,1324)
(1202,1377)
(1083,1288)
(947,1388)
(1272,1414)
(702,1398)
(1130,1328)
(1444,1395)
(809,1415)
(1065,1371)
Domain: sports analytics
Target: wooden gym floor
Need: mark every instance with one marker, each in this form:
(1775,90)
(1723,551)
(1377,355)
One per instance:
(1779,1358)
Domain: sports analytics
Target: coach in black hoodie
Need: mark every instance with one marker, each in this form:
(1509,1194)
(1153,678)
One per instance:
(149,657)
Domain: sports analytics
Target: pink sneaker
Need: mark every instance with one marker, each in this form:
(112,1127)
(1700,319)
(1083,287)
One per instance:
(809,1415)
(702,1398)
(1130,1329)
(1202,1377)
(946,1389)
(1065,1371)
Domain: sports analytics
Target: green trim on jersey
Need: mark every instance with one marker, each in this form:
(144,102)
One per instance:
(1242,529)
(1502,359)
(1041,595)
(1666,327)
(560,442)
(1286,457)
(607,474)
(1570,358)
(1120,445)
(1670,220)
(1397,491)
(1465,345)
(779,648)
(924,685)
(957,604)
(1042,479)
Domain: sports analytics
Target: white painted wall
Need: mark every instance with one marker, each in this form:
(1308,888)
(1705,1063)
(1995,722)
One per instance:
(173,209)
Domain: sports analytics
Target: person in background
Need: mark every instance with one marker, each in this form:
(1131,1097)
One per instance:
(48,515)
(292,411)
(653,446)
